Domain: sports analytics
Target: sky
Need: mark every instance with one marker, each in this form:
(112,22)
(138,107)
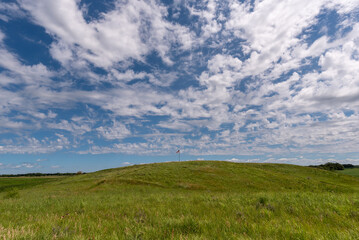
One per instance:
(88,85)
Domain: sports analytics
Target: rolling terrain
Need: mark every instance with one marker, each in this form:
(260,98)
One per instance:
(184,200)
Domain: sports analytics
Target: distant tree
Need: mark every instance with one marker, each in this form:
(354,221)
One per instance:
(334,166)
(331,166)
(348,166)
(40,174)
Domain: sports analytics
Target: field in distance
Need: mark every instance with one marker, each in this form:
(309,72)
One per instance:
(183,200)
(351,171)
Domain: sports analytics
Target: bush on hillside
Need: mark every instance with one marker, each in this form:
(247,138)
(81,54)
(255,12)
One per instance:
(331,166)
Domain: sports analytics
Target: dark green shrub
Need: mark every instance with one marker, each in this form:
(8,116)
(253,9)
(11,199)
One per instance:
(187,226)
(329,166)
(262,201)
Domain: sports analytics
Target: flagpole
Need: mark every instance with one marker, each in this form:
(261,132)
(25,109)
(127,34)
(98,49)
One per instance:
(179,154)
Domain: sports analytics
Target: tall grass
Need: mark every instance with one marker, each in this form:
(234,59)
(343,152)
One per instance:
(159,202)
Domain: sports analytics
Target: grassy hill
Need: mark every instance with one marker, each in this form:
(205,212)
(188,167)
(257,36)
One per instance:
(223,176)
(186,200)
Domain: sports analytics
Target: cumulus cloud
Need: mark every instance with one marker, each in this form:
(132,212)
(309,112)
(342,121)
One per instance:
(130,31)
(31,145)
(18,73)
(215,78)
(116,131)
(73,127)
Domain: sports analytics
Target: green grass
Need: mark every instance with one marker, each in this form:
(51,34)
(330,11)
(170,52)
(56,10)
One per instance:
(7,183)
(351,171)
(187,200)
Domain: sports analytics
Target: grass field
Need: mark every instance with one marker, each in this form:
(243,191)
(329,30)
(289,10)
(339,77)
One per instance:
(351,171)
(8,183)
(185,200)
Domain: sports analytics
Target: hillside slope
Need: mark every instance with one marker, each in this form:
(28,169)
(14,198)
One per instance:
(186,200)
(223,176)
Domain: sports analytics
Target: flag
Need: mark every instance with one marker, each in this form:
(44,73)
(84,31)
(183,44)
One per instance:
(178,151)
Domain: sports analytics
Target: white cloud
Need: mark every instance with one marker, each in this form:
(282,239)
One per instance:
(25,165)
(41,160)
(129,31)
(20,165)
(9,11)
(18,73)
(128,75)
(73,127)
(344,6)
(31,145)
(239,97)
(271,29)
(116,131)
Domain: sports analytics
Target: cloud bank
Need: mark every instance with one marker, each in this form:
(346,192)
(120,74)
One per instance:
(211,77)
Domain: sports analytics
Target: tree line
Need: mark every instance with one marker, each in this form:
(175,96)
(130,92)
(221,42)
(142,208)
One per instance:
(40,174)
(331,166)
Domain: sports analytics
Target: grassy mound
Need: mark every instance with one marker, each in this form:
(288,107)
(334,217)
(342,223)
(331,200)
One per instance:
(187,200)
(223,176)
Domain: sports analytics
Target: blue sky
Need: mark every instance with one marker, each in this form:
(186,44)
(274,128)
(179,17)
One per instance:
(88,85)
